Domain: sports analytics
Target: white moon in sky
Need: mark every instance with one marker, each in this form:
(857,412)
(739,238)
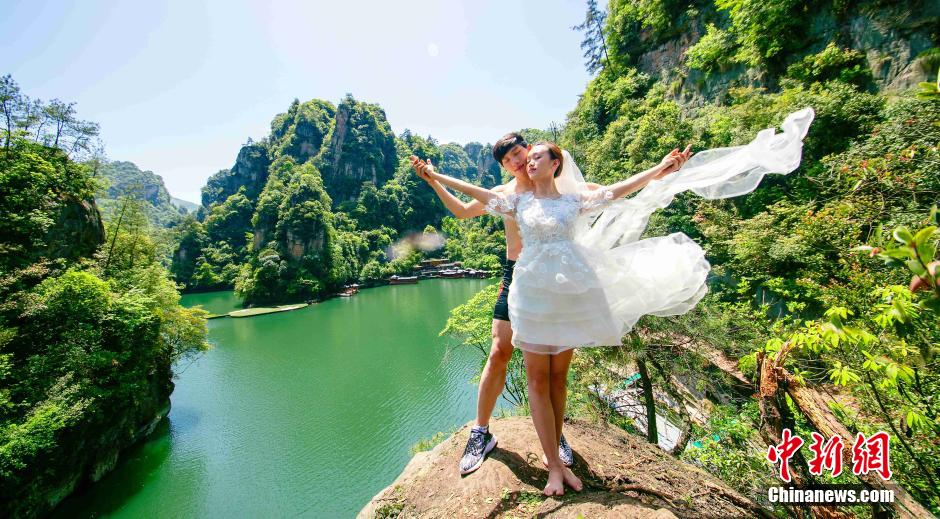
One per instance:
(433,51)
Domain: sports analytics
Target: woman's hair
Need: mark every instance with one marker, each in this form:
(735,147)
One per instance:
(554,152)
(506,143)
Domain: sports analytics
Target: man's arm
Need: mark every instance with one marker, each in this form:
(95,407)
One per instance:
(456,206)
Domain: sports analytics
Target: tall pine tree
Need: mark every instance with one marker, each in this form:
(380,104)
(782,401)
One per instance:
(594,46)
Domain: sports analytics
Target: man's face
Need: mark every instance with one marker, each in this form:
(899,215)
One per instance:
(515,160)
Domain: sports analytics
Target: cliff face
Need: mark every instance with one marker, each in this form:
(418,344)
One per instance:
(472,162)
(488,172)
(299,133)
(361,148)
(623,475)
(891,36)
(250,171)
(77,232)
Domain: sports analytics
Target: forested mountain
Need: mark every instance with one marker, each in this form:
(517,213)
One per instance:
(185,205)
(823,306)
(126,179)
(318,203)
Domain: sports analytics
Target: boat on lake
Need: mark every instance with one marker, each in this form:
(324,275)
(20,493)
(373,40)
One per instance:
(349,290)
(402,280)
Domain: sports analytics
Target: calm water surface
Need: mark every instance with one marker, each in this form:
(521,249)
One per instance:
(303,413)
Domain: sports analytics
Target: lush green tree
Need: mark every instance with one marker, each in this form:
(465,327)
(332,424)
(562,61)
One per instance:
(479,243)
(53,124)
(712,52)
(765,31)
(300,132)
(360,147)
(298,262)
(38,184)
(833,63)
(471,322)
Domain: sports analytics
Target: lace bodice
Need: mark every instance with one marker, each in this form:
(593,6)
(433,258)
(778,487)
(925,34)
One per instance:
(547,220)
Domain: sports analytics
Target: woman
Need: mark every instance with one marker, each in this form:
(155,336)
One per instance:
(583,278)
(556,301)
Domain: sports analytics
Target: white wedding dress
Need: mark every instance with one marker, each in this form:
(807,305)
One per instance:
(584,278)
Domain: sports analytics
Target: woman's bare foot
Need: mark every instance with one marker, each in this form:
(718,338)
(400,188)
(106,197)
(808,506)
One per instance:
(556,482)
(571,480)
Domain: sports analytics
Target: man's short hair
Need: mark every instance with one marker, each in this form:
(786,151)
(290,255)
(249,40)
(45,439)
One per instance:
(506,143)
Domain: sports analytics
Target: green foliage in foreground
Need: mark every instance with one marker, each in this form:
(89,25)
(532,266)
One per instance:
(480,243)
(427,444)
(471,322)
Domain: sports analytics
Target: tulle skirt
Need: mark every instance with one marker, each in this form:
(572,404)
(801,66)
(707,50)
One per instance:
(564,295)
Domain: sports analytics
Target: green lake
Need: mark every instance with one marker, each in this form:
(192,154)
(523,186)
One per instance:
(303,413)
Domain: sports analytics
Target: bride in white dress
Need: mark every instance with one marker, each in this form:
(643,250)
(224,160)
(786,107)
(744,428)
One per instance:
(584,278)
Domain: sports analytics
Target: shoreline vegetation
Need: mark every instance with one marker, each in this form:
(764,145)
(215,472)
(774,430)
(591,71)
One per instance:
(91,328)
(346,292)
(438,268)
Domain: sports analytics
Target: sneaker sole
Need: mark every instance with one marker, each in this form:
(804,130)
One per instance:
(486,450)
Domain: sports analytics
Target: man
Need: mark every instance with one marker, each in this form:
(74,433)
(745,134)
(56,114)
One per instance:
(510,152)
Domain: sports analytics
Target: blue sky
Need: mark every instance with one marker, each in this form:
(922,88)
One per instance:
(178,86)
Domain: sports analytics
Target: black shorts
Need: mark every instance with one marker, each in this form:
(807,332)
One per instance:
(501,310)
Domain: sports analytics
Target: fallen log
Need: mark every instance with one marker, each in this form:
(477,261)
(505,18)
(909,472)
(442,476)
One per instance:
(812,404)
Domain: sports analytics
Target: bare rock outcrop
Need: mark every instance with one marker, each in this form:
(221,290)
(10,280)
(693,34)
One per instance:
(623,475)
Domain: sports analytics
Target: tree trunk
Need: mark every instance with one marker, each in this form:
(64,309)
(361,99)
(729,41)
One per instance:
(117,228)
(651,434)
(813,406)
(776,416)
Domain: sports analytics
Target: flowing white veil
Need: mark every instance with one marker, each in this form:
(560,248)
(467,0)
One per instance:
(712,174)
(570,180)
